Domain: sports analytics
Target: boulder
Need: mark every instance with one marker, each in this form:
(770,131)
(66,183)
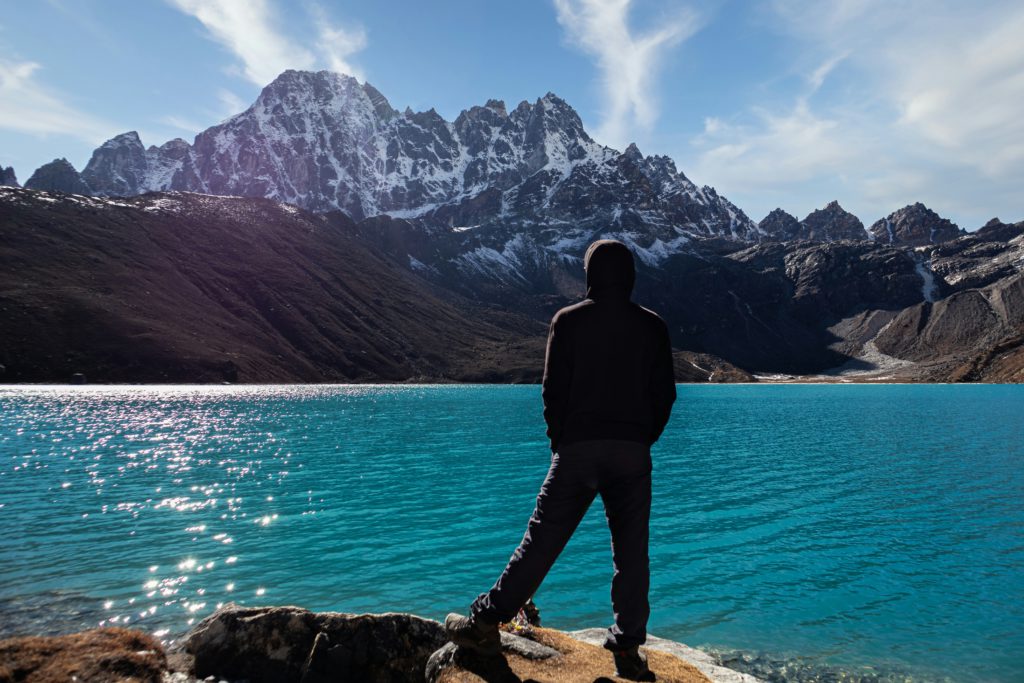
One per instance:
(282,644)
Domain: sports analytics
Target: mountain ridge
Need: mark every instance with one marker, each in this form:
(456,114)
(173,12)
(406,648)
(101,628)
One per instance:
(324,141)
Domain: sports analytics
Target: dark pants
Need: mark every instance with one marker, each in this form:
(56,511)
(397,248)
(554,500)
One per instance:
(621,472)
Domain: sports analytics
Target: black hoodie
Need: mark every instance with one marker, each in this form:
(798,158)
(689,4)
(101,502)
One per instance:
(608,371)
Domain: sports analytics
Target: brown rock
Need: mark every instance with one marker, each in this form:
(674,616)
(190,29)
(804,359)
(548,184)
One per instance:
(97,655)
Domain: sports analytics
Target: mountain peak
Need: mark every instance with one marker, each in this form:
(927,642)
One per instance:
(129,138)
(8,178)
(831,224)
(497,106)
(914,225)
(329,89)
(780,226)
(58,176)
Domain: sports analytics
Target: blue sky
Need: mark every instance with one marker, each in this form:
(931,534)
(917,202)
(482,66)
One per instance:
(788,103)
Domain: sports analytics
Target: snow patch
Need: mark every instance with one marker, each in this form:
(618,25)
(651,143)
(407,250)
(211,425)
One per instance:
(928,286)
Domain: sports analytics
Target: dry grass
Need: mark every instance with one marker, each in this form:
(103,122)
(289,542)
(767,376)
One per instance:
(580,663)
(98,655)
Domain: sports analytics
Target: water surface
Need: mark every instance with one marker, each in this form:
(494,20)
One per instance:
(875,528)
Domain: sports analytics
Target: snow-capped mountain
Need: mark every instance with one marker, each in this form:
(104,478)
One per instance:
(323,141)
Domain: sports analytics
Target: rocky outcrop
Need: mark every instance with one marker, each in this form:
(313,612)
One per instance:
(294,645)
(700,660)
(982,258)
(544,655)
(8,178)
(103,654)
(58,176)
(831,224)
(780,226)
(283,644)
(997,231)
(914,225)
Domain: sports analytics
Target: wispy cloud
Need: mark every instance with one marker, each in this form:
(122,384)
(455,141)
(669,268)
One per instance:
(336,43)
(628,60)
(28,106)
(954,72)
(231,103)
(251,29)
(929,109)
(181,123)
(247,28)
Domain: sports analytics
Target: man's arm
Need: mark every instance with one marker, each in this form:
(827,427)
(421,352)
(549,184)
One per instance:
(663,384)
(557,378)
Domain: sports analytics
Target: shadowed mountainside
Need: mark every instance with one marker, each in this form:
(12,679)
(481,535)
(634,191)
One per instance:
(183,288)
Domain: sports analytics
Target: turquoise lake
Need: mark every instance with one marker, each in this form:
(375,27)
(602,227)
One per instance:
(871,528)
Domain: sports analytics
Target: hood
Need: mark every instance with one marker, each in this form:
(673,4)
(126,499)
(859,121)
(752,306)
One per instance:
(610,269)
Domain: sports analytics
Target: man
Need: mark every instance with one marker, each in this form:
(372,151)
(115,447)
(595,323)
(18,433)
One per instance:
(608,390)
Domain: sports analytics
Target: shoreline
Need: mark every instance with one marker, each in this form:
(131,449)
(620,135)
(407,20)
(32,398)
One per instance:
(717,664)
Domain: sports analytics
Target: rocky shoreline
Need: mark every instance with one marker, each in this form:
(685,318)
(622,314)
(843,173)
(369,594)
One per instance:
(281,644)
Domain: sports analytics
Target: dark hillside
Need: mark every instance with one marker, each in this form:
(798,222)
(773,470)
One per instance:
(184,288)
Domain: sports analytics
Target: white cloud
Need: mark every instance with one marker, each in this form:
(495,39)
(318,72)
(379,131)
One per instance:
(246,27)
(628,61)
(336,43)
(929,109)
(818,76)
(27,106)
(966,95)
(251,30)
(794,145)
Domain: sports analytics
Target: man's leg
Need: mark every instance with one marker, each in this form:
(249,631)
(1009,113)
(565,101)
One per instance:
(626,492)
(567,492)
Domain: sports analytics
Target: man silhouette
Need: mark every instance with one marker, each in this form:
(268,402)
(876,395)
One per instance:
(608,390)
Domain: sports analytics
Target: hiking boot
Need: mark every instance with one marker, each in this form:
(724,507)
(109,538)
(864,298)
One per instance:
(473,634)
(631,664)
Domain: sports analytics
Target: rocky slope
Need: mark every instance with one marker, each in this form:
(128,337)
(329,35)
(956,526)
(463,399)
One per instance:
(914,226)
